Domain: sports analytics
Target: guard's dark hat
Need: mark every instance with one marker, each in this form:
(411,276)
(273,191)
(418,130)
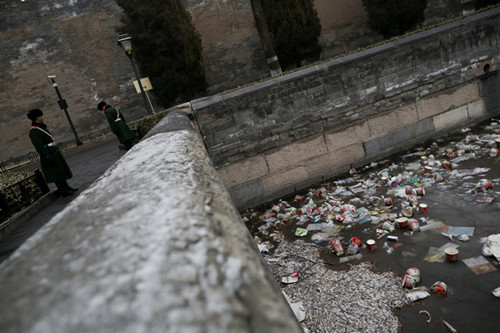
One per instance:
(33,114)
(100,105)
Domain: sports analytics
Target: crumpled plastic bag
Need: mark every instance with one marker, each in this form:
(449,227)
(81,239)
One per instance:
(493,246)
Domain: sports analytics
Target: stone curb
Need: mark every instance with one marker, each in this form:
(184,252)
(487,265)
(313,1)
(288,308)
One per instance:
(13,222)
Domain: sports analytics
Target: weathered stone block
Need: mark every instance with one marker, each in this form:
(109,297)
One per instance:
(248,195)
(477,110)
(447,100)
(336,162)
(284,178)
(296,152)
(451,119)
(402,137)
(222,123)
(244,171)
(389,121)
(346,136)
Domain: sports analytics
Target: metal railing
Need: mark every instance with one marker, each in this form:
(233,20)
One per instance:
(30,157)
(63,146)
(94,136)
(16,197)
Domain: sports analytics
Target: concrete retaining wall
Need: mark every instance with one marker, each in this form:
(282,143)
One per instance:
(154,245)
(282,135)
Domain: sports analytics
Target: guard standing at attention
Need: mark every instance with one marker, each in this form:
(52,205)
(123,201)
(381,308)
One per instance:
(118,124)
(54,166)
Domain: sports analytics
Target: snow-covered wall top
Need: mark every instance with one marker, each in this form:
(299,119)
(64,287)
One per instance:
(154,245)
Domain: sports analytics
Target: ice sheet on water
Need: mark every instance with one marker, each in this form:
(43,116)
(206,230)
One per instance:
(343,300)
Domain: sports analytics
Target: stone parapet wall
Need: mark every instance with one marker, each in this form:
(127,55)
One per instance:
(280,135)
(154,245)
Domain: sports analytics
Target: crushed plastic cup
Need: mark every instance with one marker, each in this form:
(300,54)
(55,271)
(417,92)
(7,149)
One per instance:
(408,190)
(439,288)
(446,165)
(420,191)
(408,211)
(427,169)
(494,152)
(402,222)
(388,201)
(451,254)
(413,200)
(414,272)
(371,245)
(409,281)
(335,241)
(413,225)
(423,208)
(337,247)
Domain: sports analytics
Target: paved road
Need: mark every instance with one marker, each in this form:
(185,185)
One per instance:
(87,163)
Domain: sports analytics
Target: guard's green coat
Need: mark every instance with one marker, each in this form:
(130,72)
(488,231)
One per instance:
(52,162)
(118,125)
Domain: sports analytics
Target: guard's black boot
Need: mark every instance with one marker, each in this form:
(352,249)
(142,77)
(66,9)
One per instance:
(64,189)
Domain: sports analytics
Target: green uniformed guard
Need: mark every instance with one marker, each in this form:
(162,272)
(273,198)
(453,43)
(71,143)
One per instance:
(118,124)
(54,166)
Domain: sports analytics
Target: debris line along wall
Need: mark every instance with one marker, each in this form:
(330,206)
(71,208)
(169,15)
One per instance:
(282,135)
(154,245)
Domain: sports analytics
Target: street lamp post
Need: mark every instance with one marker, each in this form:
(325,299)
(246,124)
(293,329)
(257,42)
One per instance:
(64,106)
(125,41)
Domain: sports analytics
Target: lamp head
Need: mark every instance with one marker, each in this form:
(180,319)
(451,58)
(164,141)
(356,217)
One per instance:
(125,41)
